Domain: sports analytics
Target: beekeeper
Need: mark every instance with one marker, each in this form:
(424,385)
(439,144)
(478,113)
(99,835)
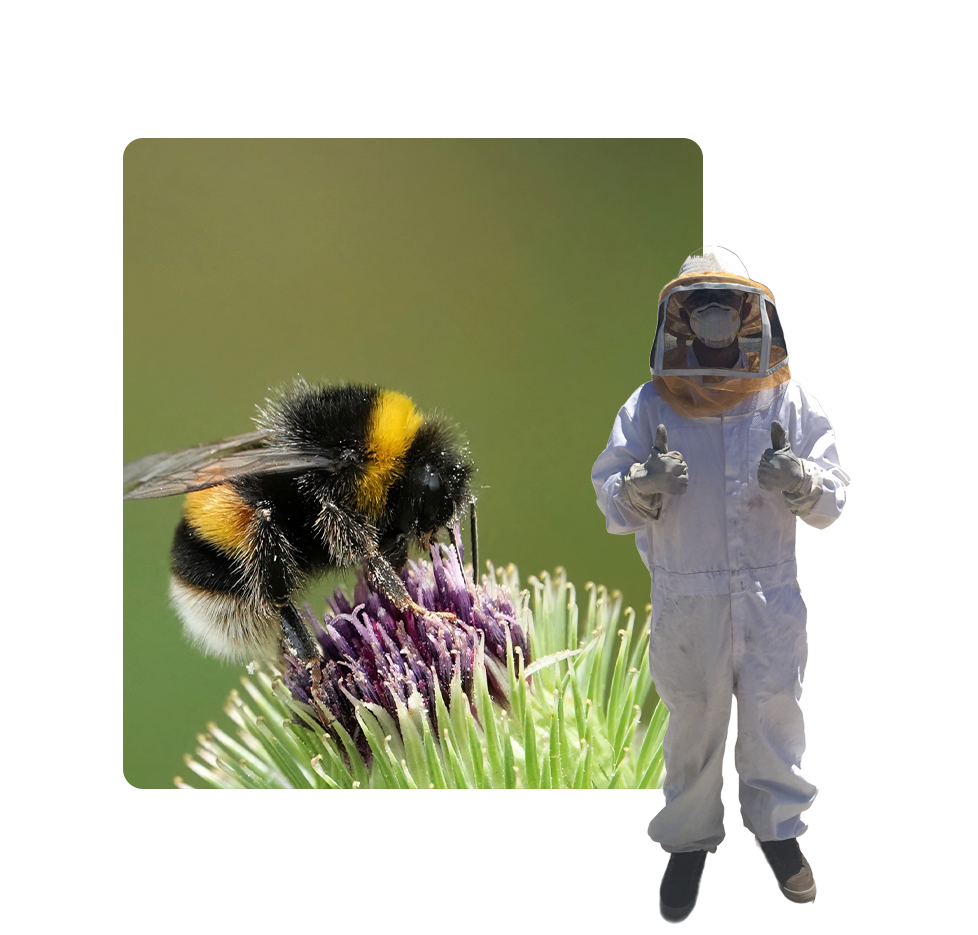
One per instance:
(708,466)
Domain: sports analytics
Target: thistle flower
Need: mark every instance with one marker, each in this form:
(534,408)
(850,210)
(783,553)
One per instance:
(375,653)
(405,701)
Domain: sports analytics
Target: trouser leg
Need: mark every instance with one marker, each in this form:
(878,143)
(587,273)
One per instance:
(690,654)
(770,652)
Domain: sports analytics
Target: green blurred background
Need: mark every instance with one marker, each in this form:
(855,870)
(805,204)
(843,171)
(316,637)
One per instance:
(508,284)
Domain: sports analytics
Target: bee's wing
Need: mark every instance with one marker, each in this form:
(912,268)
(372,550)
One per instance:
(177,472)
(168,461)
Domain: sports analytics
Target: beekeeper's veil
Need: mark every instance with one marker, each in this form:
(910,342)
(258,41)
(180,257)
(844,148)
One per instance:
(714,308)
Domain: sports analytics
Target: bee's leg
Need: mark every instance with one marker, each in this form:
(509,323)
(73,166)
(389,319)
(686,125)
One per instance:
(297,637)
(384,578)
(349,543)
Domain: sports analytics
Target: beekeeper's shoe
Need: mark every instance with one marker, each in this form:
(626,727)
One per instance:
(680,884)
(790,867)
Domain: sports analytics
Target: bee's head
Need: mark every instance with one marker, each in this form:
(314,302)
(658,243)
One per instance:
(432,493)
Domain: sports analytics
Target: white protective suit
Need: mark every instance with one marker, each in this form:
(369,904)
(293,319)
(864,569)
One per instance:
(727,613)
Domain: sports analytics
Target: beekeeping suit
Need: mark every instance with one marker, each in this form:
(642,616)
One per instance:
(709,465)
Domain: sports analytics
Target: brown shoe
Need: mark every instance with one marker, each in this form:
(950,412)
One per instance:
(790,867)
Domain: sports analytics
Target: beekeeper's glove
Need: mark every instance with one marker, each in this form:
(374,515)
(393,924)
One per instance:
(799,481)
(664,472)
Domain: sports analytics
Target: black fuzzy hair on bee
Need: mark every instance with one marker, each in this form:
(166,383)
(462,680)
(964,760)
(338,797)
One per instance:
(334,477)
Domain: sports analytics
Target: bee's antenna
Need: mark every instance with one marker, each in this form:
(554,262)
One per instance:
(474,536)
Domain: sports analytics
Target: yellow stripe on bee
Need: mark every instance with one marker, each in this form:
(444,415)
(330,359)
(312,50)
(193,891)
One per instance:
(219,516)
(393,424)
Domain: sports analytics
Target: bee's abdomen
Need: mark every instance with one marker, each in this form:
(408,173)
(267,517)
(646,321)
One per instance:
(220,517)
(233,540)
(210,595)
(201,564)
(225,625)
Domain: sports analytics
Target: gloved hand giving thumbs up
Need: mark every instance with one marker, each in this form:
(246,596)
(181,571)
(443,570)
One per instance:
(664,472)
(800,482)
(780,468)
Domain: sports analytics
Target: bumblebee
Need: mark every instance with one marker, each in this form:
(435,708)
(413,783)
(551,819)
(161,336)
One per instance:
(333,477)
